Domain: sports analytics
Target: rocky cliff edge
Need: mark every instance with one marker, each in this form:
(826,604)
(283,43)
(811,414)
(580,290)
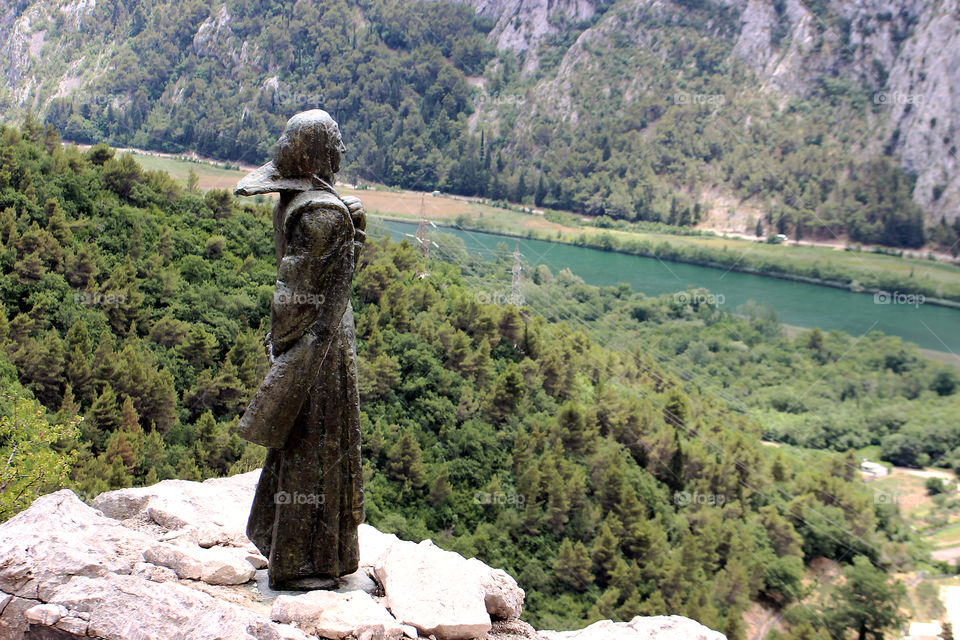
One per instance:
(172,562)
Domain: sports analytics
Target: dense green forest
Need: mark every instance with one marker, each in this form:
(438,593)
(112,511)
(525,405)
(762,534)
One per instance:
(426,103)
(817,390)
(563,440)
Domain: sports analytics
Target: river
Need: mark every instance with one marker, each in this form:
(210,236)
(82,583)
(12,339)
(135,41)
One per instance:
(797,303)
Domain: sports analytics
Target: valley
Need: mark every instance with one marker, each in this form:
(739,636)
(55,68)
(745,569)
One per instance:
(483,227)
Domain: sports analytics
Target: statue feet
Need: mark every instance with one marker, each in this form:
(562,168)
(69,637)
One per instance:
(306,584)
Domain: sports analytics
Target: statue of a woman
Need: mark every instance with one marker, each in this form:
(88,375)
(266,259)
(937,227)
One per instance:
(309,500)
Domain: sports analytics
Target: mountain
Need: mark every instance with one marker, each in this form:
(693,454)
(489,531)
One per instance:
(903,56)
(832,119)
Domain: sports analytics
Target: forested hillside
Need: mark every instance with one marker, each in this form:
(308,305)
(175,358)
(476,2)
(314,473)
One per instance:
(610,485)
(634,111)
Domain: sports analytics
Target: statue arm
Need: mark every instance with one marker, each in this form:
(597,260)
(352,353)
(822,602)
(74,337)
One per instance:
(314,276)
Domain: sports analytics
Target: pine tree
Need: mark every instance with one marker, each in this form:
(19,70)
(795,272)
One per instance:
(867,602)
(573,565)
(541,192)
(129,420)
(104,411)
(440,488)
(508,390)
(604,552)
(405,461)
(199,346)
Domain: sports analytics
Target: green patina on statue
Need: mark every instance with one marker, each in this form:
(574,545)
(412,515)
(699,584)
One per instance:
(309,500)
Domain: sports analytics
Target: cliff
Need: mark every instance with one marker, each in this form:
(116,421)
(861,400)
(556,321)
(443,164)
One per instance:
(904,55)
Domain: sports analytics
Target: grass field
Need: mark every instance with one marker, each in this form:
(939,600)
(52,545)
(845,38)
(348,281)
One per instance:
(517,221)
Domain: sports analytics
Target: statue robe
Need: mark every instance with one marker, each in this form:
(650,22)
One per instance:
(309,500)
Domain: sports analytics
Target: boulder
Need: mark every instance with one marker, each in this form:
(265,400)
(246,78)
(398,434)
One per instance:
(337,615)
(640,628)
(45,614)
(130,608)
(373,544)
(217,508)
(434,590)
(216,565)
(59,537)
(503,597)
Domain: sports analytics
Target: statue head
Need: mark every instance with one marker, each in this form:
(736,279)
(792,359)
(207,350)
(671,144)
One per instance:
(309,149)
(310,145)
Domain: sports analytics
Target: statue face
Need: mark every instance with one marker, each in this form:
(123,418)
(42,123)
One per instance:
(337,149)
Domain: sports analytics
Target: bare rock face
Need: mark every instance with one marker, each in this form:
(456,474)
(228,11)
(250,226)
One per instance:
(129,608)
(434,590)
(522,24)
(217,565)
(171,561)
(215,38)
(217,508)
(337,615)
(60,537)
(659,627)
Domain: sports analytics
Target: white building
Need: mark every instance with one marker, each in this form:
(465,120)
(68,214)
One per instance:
(874,469)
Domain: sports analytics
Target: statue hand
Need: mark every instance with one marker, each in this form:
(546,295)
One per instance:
(358,215)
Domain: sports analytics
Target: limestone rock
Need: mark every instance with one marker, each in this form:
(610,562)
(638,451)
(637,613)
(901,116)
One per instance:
(359,580)
(512,630)
(217,565)
(45,614)
(217,508)
(373,544)
(290,632)
(640,628)
(154,573)
(59,537)
(130,608)
(66,568)
(502,595)
(337,615)
(434,590)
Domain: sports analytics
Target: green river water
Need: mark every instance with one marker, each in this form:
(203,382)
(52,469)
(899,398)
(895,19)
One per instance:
(797,303)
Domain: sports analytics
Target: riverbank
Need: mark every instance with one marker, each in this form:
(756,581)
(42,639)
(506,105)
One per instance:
(858,271)
(873,282)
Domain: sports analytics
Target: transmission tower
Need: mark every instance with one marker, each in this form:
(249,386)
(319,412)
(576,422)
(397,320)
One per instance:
(422,230)
(516,295)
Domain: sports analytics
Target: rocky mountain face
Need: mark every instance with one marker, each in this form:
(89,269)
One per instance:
(904,55)
(875,78)
(171,561)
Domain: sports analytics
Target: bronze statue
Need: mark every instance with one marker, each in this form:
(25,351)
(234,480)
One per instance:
(309,500)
